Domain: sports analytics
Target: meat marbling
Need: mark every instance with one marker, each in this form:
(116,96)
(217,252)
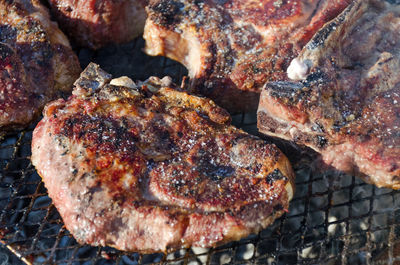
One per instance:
(346,104)
(145,167)
(232,47)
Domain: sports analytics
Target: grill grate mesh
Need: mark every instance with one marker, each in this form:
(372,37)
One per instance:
(333,218)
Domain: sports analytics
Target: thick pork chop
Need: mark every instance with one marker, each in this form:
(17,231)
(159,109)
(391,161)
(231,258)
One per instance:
(148,168)
(232,47)
(347,104)
(37,63)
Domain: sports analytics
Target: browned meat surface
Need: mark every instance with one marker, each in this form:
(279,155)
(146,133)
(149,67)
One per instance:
(148,168)
(347,105)
(96,23)
(36,62)
(232,47)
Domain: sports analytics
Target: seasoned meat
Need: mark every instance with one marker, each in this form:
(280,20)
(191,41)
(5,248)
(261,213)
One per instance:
(36,62)
(232,47)
(96,23)
(147,168)
(346,105)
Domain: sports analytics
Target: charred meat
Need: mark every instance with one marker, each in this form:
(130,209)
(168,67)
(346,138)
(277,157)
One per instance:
(231,48)
(143,167)
(346,102)
(36,62)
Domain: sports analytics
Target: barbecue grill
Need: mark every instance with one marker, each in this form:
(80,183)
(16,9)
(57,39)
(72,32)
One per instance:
(333,218)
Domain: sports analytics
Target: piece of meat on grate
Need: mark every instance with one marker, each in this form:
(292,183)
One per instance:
(37,63)
(148,168)
(97,23)
(232,47)
(347,107)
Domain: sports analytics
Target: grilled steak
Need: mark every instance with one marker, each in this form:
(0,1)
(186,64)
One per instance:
(96,23)
(148,168)
(347,104)
(36,62)
(232,47)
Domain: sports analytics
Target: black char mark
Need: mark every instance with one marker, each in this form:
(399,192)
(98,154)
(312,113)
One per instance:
(169,10)
(274,176)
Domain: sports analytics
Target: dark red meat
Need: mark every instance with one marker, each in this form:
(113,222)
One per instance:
(96,23)
(346,105)
(36,62)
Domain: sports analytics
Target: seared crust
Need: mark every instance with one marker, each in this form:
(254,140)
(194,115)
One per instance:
(233,47)
(147,168)
(96,23)
(347,108)
(36,62)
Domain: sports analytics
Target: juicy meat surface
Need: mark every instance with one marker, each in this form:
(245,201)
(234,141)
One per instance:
(347,104)
(96,23)
(145,167)
(36,62)
(231,48)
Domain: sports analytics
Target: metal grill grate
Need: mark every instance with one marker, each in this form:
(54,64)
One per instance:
(333,218)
